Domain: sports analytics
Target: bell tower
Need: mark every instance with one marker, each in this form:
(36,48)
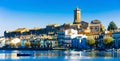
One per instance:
(77,16)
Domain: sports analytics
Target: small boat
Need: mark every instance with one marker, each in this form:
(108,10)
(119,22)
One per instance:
(111,50)
(23,54)
(75,52)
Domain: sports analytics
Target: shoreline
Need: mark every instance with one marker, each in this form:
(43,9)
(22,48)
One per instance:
(61,49)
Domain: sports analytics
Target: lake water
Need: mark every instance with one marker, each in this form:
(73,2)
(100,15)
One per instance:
(52,55)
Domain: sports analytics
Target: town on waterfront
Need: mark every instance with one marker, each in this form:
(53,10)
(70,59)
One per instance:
(59,30)
(79,35)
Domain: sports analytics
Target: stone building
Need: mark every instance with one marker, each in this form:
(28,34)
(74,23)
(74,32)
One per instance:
(96,26)
(17,33)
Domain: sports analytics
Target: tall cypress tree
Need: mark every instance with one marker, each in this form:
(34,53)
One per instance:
(112,26)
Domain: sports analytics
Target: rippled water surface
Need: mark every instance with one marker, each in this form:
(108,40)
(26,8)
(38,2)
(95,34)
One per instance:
(55,55)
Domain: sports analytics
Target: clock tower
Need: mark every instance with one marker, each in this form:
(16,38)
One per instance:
(77,16)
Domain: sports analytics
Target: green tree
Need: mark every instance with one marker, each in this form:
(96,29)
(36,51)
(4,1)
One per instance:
(12,45)
(18,44)
(90,41)
(27,44)
(112,26)
(107,41)
(102,28)
(38,44)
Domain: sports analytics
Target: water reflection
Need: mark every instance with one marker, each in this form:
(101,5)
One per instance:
(2,56)
(68,55)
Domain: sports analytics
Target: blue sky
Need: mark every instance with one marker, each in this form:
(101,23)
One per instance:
(38,13)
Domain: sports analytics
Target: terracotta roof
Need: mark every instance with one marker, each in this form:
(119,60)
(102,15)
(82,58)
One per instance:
(53,25)
(35,28)
(95,22)
(21,30)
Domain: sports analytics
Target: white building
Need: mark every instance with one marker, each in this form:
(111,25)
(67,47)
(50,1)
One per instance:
(2,42)
(116,37)
(65,37)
